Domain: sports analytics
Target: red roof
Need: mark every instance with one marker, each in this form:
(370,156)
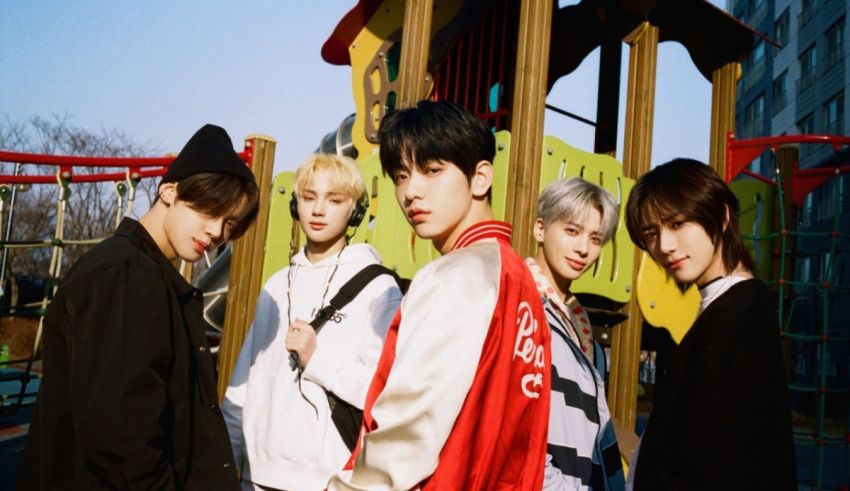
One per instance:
(335,49)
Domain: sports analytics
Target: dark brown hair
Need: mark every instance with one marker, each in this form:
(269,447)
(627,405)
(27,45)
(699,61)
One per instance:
(219,195)
(691,189)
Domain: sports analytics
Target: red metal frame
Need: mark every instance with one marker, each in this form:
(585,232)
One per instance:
(475,62)
(740,153)
(138,167)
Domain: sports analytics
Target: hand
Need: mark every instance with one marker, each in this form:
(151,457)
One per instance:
(301,339)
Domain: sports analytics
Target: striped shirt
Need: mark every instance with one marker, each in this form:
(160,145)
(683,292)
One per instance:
(582,448)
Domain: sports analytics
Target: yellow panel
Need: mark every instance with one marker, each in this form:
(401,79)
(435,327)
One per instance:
(756,219)
(661,302)
(386,20)
(500,174)
(611,277)
(279,233)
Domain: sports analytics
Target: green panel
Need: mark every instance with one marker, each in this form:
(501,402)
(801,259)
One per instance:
(757,200)
(500,174)
(387,229)
(279,233)
(611,277)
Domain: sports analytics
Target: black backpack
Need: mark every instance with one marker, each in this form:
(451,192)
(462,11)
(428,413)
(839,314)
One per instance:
(346,417)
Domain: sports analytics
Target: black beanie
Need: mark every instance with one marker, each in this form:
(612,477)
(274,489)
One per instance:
(209,150)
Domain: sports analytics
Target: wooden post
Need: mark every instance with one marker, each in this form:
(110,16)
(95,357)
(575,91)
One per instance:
(723,97)
(246,264)
(529,101)
(786,157)
(637,154)
(415,49)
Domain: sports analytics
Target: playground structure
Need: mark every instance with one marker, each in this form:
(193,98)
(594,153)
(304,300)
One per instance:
(499,59)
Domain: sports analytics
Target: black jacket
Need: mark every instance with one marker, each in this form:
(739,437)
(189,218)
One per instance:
(128,398)
(722,419)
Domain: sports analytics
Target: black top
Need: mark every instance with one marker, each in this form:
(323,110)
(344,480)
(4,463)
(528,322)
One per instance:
(722,418)
(128,398)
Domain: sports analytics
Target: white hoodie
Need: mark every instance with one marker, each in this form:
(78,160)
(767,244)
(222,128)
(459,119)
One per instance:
(279,439)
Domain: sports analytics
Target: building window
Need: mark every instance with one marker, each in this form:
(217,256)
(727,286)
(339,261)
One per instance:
(757,11)
(807,124)
(754,118)
(808,69)
(755,70)
(807,127)
(807,11)
(834,45)
(806,216)
(780,92)
(781,27)
(833,112)
(826,206)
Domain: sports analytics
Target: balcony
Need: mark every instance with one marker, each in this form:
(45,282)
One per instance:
(835,127)
(806,14)
(832,58)
(780,102)
(758,14)
(805,81)
(754,75)
(753,128)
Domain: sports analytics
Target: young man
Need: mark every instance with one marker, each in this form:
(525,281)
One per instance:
(460,399)
(128,399)
(574,220)
(278,413)
(721,419)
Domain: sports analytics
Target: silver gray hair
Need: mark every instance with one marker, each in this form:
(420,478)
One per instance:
(570,199)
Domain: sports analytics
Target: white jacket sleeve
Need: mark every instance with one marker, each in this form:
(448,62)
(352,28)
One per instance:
(439,344)
(349,377)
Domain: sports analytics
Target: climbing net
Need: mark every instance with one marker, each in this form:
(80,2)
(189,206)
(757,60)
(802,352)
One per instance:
(812,283)
(123,175)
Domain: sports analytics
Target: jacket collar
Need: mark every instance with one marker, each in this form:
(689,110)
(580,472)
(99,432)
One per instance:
(484,230)
(569,309)
(139,237)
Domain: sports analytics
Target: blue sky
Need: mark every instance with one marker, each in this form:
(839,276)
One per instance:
(158,70)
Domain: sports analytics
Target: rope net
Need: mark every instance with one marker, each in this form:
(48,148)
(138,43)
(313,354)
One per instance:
(809,255)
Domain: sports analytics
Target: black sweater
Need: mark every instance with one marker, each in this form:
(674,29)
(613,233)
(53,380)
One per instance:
(722,418)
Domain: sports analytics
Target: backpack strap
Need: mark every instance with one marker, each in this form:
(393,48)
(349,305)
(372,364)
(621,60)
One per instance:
(349,291)
(347,418)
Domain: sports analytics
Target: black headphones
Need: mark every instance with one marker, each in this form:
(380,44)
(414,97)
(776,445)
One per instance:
(353,221)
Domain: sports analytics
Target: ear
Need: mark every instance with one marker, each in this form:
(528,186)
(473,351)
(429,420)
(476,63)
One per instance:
(539,230)
(482,179)
(168,193)
(725,217)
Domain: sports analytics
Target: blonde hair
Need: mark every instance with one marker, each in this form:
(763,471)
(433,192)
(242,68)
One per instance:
(344,175)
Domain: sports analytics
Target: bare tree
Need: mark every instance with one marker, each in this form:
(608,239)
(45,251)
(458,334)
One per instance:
(91,208)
